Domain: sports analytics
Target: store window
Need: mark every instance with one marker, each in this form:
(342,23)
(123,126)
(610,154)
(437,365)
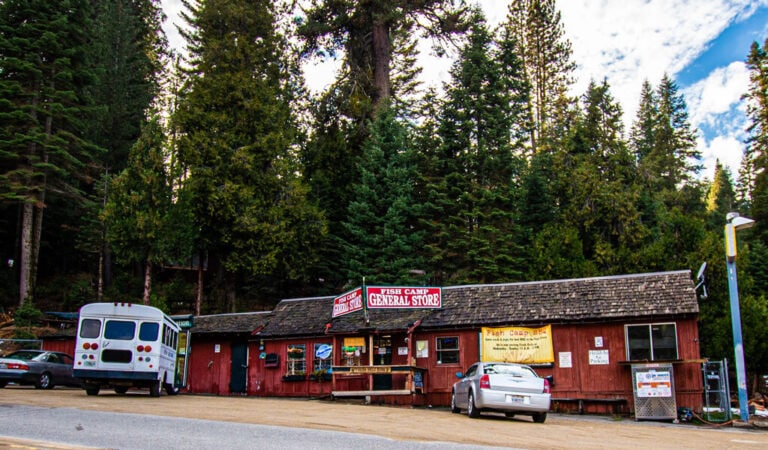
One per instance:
(323,358)
(447,350)
(296,360)
(352,351)
(651,342)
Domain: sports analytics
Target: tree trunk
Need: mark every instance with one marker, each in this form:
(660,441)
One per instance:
(147,281)
(25,258)
(382,54)
(199,297)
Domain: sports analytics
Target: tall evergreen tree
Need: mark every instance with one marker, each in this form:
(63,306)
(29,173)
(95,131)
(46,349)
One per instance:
(137,212)
(44,76)
(602,192)
(757,143)
(237,137)
(383,245)
(540,42)
(482,141)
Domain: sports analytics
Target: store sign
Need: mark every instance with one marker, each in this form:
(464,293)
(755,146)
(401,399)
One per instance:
(518,344)
(349,302)
(404,297)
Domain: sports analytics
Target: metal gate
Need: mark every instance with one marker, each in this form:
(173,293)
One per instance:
(717,394)
(654,391)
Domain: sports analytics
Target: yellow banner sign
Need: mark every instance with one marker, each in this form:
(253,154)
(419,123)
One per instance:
(518,344)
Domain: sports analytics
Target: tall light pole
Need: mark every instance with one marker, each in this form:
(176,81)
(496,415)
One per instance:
(734,223)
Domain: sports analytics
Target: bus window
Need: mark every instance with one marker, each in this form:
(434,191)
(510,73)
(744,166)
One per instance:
(119,329)
(90,328)
(148,331)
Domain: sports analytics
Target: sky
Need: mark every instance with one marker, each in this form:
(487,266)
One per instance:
(701,44)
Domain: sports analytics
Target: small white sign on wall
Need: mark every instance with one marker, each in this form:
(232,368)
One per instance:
(598,341)
(566,360)
(402,351)
(217,348)
(598,357)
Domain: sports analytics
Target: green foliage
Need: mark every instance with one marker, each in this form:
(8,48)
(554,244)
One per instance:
(27,315)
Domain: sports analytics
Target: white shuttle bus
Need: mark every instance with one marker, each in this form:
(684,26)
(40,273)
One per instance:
(122,346)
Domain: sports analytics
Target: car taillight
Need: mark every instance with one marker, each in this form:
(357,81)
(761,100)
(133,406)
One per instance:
(547,390)
(17,366)
(148,348)
(485,382)
(140,348)
(89,346)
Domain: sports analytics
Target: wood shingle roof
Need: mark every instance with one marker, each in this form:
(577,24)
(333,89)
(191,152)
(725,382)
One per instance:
(586,299)
(625,297)
(238,323)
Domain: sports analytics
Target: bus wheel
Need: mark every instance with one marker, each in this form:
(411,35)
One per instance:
(154,389)
(92,390)
(170,389)
(121,390)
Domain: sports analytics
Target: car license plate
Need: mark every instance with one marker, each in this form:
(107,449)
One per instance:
(518,399)
(90,363)
(3,366)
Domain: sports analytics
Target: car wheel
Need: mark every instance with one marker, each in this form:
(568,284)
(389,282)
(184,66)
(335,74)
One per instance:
(454,409)
(154,389)
(539,417)
(509,414)
(121,390)
(170,389)
(44,381)
(472,410)
(92,390)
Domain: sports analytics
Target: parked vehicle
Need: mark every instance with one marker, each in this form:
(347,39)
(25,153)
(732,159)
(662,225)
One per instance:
(501,387)
(40,368)
(123,346)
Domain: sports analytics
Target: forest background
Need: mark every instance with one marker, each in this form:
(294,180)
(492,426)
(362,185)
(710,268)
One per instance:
(218,183)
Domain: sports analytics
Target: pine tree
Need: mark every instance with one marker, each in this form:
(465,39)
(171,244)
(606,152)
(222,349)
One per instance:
(139,201)
(383,246)
(540,42)
(237,137)
(44,80)
(367,32)
(757,143)
(602,192)
(482,142)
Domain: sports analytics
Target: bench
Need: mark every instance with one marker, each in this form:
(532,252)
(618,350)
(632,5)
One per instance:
(616,403)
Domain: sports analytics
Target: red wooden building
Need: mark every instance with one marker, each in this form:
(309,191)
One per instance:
(598,331)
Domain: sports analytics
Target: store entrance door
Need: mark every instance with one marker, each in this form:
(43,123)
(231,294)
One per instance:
(382,356)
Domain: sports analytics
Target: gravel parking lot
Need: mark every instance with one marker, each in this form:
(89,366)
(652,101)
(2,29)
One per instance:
(420,424)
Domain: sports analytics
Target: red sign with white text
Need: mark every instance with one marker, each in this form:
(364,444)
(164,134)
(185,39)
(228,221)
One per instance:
(404,297)
(349,302)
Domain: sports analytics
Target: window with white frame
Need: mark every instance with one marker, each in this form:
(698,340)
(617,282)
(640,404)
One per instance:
(296,359)
(651,341)
(447,350)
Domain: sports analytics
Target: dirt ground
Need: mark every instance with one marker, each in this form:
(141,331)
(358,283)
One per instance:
(420,424)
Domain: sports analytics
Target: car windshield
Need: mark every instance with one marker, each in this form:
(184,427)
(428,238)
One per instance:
(506,369)
(25,355)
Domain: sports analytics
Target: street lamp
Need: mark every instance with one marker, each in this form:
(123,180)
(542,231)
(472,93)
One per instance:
(734,223)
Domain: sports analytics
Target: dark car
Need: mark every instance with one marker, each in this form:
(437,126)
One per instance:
(40,368)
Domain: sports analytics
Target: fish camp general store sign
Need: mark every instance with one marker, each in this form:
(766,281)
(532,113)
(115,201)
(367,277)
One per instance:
(387,297)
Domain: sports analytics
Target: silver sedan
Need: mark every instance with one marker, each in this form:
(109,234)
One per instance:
(41,368)
(502,387)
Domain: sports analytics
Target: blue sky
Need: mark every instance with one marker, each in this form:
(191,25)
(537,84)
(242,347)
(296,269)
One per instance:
(702,44)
